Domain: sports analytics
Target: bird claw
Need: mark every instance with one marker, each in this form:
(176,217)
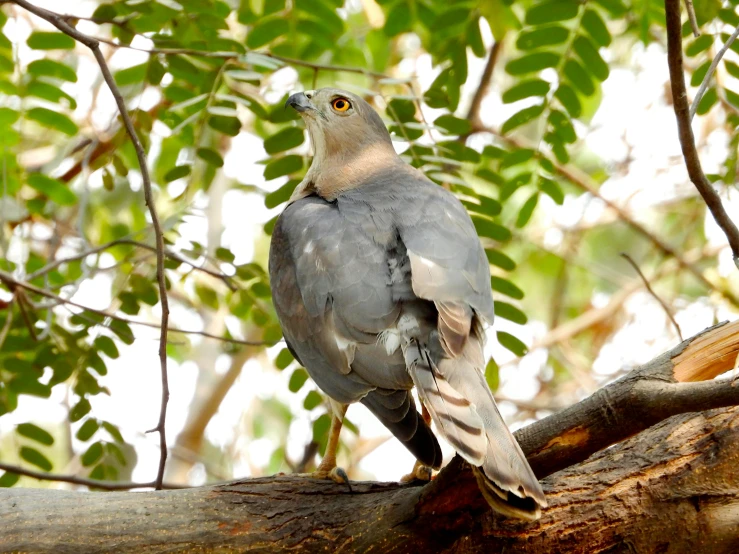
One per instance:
(336,474)
(420,472)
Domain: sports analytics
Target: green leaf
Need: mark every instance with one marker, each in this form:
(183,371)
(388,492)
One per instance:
(596,27)
(522,117)
(53,120)
(210,156)
(284,359)
(711,97)
(399,19)
(52,93)
(526,89)
(79,410)
(230,126)
(568,97)
(579,77)
(524,215)
(122,330)
(591,58)
(546,36)
(312,400)
(497,258)
(297,379)
(9,479)
(615,7)
(504,286)
(283,166)
(512,343)
(92,454)
(177,172)
(88,429)
(284,140)
(52,68)
(266,31)
(701,44)
(453,125)
(562,126)
(43,40)
(492,375)
(113,431)
(532,62)
(225,255)
(277,197)
(551,189)
(106,346)
(549,12)
(54,189)
(34,432)
(33,456)
(131,75)
(490,229)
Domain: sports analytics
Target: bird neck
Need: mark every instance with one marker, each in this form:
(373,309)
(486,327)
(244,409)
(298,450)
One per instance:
(341,168)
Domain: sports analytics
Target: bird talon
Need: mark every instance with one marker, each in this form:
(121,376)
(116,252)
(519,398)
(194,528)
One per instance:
(420,472)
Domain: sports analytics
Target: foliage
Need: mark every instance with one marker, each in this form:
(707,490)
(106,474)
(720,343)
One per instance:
(212,73)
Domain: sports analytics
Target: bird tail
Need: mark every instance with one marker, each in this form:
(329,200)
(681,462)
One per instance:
(462,407)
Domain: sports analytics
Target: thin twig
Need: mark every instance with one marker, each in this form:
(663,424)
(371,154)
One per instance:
(654,294)
(691,17)
(473,114)
(50,267)
(709,73)
(11,282)
(93,483)
(687,141)
(94,46)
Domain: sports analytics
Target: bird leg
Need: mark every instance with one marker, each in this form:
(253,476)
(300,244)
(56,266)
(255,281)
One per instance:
(419,472)
(327,468)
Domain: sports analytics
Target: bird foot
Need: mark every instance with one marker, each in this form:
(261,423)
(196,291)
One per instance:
(336,474)
(420,472)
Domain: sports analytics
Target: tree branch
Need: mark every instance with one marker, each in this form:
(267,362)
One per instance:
(709,73)
(473,114)
(12,282)
(92,483)
(173,255)
(685,132)
(679,477)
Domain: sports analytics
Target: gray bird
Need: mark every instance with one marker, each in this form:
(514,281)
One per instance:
(381,284)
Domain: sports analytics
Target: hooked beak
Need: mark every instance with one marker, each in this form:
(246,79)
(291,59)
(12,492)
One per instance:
(299,101)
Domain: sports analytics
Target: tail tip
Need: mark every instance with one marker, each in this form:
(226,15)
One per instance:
(509,503)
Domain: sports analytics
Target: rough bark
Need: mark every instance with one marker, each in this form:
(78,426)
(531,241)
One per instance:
(672,488)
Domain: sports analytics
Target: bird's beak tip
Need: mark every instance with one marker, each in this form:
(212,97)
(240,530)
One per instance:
(299,102)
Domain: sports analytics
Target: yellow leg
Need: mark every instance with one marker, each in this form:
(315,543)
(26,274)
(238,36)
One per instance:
(419,472)
(327,468)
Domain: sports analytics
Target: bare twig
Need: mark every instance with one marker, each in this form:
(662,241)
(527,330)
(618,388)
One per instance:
(50,267)
(473,114)
(691,17)
(12,282)
(709,73)
(94,45)
(654,294)
(93,483)
(687,141)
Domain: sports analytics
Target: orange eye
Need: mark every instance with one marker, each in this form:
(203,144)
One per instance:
(341,104)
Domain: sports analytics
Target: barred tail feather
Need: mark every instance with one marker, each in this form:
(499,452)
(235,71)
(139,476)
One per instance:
(454,415)
(505,477)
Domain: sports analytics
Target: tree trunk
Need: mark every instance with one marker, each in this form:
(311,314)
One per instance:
(671,488)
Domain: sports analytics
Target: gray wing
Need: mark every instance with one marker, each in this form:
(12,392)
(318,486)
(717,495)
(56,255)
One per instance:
(331,290)
(448,263)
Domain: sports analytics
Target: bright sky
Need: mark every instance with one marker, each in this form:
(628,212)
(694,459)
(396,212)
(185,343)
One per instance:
(633,107)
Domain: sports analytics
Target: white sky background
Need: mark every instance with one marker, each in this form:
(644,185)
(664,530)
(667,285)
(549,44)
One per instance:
(633,107)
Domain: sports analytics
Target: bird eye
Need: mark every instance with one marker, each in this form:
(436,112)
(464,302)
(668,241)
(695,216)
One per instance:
(341,104)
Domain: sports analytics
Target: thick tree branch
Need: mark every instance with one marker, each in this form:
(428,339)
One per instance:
(654,470)
(685,132)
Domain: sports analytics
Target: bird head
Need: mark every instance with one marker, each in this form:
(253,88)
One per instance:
(350,141)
